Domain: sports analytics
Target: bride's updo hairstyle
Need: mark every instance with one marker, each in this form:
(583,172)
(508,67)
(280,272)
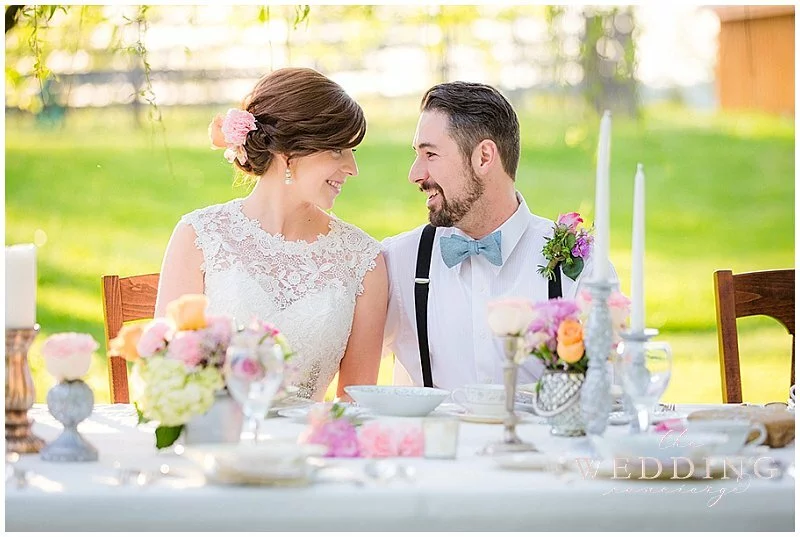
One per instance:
(298,112)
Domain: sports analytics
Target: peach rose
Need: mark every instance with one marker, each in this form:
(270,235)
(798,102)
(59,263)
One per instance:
(188,312)
(510,316)
(570,341)
(124,344)
(215,133)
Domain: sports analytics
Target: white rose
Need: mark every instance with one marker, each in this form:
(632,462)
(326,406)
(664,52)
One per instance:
(71,367)
(510,316)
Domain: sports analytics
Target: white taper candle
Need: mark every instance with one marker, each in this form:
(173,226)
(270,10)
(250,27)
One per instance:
(601,219)
(637,253)
(20,286)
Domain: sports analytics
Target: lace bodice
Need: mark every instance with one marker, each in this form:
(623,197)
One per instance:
(308,290)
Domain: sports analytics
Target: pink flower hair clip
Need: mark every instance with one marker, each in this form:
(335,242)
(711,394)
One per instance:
(230,133)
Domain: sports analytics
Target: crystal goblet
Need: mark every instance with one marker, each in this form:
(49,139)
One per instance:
(645,368)
(253,377)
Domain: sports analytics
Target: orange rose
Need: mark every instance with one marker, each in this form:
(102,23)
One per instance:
(570,341)
(188,312)
(124,344)
(570,331)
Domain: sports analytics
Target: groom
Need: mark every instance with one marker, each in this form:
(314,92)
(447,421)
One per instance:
(482,243)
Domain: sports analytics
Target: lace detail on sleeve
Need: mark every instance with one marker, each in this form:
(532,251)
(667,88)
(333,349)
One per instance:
(206,223)
(360,250)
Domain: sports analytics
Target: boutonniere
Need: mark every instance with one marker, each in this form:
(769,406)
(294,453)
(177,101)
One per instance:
(569,246)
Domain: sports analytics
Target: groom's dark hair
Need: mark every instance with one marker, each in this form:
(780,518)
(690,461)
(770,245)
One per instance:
(477,112)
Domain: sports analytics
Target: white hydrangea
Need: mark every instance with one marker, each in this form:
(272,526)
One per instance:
(172,395)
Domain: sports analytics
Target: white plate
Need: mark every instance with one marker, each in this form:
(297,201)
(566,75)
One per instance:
(300,414)
(477,418)
(290,403)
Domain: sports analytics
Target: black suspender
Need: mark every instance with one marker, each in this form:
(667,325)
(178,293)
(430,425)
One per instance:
(421,285)
(421,282)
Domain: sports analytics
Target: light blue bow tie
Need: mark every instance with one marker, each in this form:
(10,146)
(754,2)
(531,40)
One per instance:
(456,249)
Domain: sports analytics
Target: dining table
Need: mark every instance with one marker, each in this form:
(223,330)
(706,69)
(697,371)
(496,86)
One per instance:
(471,492)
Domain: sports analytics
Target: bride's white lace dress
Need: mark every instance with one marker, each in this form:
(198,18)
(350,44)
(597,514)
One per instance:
(307,290)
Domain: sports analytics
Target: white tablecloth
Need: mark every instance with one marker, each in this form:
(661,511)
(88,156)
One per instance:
(471,493)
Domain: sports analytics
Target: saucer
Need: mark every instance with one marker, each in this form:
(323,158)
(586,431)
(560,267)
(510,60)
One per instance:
(300,414)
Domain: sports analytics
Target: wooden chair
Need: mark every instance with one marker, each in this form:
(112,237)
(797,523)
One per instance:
(770,293)
(125,299)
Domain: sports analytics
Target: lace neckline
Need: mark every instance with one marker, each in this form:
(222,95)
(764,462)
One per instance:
(278,238)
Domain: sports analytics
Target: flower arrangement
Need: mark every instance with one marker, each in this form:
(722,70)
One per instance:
(556,337)
(328,426)
(68,355)
(178,361)
(569,246)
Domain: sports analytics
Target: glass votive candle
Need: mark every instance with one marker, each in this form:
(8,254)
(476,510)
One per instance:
(441,437)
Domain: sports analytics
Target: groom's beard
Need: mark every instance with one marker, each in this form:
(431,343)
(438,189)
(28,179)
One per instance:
(452,211)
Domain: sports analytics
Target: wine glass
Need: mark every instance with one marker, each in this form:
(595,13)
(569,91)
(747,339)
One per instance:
(253,375)
(645,368)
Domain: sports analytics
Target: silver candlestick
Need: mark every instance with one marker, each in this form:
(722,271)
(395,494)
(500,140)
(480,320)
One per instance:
(513,346)
(596,390)
(70,402)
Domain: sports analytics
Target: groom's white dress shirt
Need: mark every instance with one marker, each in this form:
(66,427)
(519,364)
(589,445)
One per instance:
(463,349)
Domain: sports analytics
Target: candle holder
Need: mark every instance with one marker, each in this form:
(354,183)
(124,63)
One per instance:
(596,389)
(20,393)
(70,402)
(513,346)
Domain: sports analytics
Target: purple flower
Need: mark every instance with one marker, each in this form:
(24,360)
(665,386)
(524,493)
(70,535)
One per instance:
(549,315)
(583,244)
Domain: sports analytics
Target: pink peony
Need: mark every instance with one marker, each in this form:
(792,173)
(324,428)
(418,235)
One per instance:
(571,220)
(186,347)
(339,436)
(236,125)
(68,344)
(154,338)
(411,442)
(376,441)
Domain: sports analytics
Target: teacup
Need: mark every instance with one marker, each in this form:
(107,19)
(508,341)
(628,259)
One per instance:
(737,431)
(482,399)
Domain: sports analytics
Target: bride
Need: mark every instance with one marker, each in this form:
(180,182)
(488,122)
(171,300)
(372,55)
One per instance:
(276,254)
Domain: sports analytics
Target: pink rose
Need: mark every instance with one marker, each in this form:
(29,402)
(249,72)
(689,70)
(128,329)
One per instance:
(411,442)
(376,441)
(571,220)
(68,356)
(154,338)
(236,125)
(186,347)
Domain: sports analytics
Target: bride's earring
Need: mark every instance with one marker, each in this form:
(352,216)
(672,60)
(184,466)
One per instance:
(287,176)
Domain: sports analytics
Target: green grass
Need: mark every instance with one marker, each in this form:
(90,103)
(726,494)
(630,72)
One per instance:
(101,197)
